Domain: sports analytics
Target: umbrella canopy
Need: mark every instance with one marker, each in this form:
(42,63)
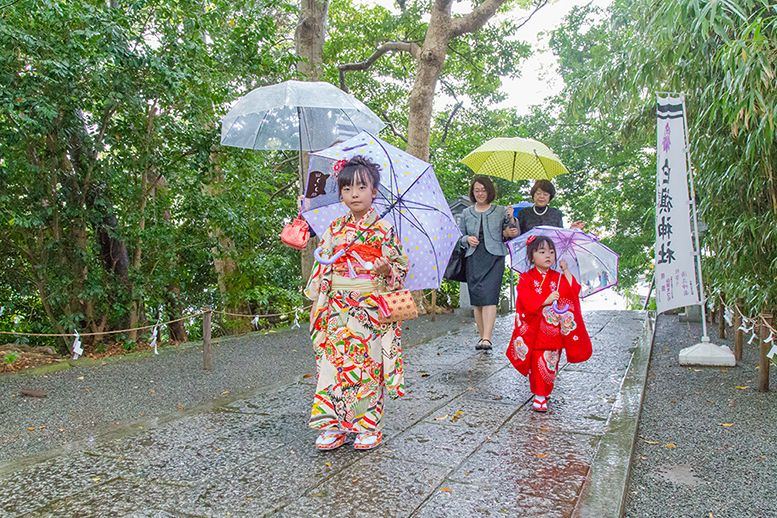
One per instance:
(594,265)
(409,197)
(301,115)
(517,207)
(514,159)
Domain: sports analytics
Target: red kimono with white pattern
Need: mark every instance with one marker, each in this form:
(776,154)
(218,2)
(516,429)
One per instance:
(541,332)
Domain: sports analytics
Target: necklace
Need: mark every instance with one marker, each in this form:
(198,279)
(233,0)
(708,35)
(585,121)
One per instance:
(534,208)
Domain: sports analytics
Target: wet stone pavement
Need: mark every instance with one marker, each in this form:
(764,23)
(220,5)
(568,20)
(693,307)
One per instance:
(463,442)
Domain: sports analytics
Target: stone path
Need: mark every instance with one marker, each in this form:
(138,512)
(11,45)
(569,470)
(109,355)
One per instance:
(463,442)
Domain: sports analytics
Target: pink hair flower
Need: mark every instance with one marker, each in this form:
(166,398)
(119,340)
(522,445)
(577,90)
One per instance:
(339,165)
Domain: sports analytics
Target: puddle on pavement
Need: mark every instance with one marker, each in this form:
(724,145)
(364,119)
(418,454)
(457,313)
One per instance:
(680,474)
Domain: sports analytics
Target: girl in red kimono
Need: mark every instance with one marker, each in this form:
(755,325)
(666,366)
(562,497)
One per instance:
(547,320)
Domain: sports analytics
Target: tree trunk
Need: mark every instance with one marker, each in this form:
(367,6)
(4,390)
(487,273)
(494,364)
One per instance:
(309,37)
(309,40)
(428,67)
(136,305)
(177,329)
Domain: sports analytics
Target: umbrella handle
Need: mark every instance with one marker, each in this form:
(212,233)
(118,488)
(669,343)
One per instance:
(558,310)
(317,255)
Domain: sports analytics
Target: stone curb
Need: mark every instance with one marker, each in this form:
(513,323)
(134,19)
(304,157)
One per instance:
(604,492)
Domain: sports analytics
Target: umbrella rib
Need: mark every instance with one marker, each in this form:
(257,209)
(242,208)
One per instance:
(259,128)
(547,175)
(419,227)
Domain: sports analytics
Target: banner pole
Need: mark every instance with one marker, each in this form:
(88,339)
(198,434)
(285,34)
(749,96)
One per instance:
(702,295)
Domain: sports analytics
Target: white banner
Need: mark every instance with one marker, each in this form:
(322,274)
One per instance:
(675,274)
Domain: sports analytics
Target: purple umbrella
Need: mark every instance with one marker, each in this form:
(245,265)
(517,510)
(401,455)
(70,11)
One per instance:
(409,197)
(594,265)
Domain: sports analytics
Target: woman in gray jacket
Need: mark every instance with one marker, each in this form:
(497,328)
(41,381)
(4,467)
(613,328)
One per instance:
(485,227)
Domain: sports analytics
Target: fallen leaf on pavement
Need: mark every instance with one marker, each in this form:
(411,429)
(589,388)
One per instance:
(307,375)
(742,387)
(541,455)
(80,378)
(33,392)
(441,418)
(225,393)
(670,445)
(95,479)
(455,417)
(651,442)
(445,489)
(726,424)
(30,428)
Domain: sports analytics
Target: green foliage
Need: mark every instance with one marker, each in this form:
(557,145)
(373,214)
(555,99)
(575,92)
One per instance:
(114,192)
(9,358)
(722,55)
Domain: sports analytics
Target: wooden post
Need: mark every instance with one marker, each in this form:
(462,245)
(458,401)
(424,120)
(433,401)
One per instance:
(722,319)
(739,336)
(763,361)
(434,305)
(207,354)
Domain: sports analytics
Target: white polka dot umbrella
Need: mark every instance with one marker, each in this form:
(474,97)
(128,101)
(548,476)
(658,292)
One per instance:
(409,197)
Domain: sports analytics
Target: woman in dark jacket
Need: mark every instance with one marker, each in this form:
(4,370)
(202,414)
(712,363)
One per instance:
(485,227)
(541,213)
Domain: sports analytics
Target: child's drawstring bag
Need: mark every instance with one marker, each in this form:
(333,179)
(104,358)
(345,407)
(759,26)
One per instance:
(296,234)
(396,306)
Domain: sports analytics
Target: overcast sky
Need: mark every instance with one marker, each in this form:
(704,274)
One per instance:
(539,77)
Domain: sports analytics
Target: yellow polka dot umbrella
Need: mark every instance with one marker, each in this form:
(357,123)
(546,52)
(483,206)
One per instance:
(515,159)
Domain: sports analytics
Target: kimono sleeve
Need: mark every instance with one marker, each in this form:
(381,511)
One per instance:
(319,270)
(530,300)
(391,248)
(574,286)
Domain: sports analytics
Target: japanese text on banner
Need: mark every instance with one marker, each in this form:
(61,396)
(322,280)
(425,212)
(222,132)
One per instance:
(675,274)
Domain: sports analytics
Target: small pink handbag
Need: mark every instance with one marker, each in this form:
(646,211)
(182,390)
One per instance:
(296,234)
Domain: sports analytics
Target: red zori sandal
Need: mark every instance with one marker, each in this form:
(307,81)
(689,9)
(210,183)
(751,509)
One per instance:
(539,404)
(330,440)
(368,440)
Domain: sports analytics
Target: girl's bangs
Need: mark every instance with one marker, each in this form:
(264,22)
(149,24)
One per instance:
(354,176)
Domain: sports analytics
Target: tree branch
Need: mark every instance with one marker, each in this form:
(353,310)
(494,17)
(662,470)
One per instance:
(393,129)
(482,13)
(450,119)
(539,5)
(393,46)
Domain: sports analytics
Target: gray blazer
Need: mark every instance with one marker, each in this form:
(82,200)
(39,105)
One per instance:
(494,222)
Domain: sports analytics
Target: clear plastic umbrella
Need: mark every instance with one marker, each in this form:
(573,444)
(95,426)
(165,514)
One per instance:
(594,265)
(296,115)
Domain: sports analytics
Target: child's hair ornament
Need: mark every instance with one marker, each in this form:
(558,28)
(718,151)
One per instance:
(339,166)
(530,240)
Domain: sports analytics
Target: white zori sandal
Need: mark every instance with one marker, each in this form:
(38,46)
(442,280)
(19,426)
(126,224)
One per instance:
(330,439)
(539,404)
(368,440)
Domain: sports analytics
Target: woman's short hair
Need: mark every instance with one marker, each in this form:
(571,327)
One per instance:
(356,170)
(546,186)
(486,182)
(534,245)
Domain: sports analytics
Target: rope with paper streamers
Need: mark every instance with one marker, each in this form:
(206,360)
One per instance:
(748,325)
(255,318)
(78,350)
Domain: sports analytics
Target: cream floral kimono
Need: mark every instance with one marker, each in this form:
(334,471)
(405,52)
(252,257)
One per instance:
(357,357)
